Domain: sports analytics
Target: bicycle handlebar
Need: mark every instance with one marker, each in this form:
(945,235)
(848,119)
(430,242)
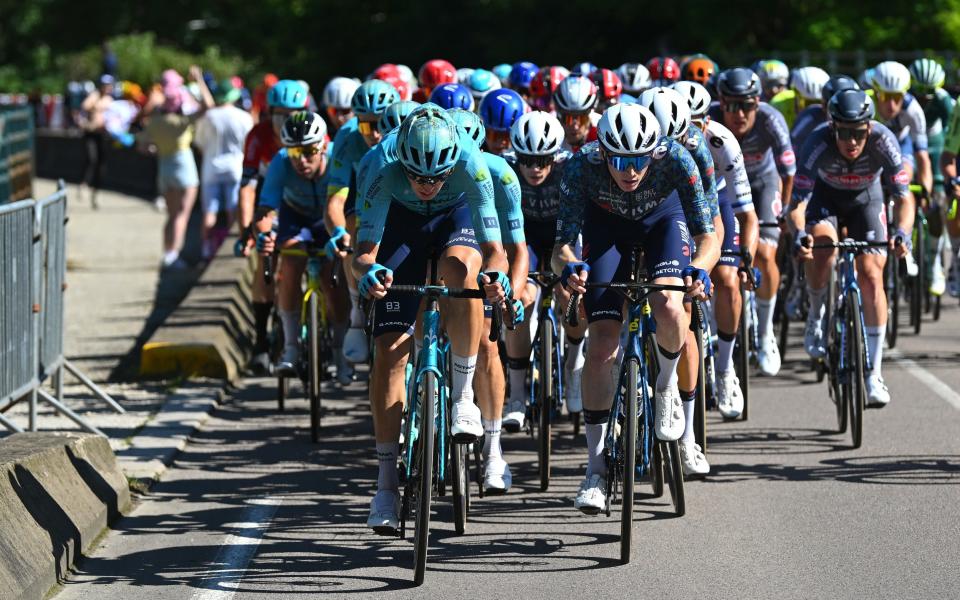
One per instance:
(646,288)
(441,290)
(309,249)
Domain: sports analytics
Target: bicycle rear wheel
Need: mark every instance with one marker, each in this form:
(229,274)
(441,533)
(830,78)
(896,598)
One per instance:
(421,534)
(893,300)
(628,445)
(314,365)
(856,385)
(833,375)
(460,456)
(673,473)
(545,401)
(700,408)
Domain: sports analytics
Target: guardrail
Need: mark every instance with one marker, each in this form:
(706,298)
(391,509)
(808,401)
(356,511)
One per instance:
(32,291)
(16,153)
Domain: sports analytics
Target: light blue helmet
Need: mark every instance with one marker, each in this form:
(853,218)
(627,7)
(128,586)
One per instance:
(288,94)
(395,114)
(428,143)
(471,123)
(481,82)
(502,71)
(373,97)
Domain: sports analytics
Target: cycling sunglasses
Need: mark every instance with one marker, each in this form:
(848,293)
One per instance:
(622,163)
(747,106)
(308,152)
(850,133)
(890,96)
(366,127)
(534,162)
(427,180)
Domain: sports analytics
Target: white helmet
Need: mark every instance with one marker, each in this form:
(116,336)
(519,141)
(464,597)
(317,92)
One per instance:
(891,77)
(407,75)
(575,94)
(339,92)
(635,77)
(628,129)
(670,108)
(808,82)
(536,133)
(463,75)
(697,97)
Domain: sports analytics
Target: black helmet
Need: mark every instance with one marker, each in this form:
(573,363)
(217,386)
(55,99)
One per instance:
(837,83)
(738,82)
(850,106)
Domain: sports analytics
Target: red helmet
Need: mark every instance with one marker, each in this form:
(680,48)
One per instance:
(664,67)
(608,84)
(437,72)
(401,86)
(546,81)
(386,71)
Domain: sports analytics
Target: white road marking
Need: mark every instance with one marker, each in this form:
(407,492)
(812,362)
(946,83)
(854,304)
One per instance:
(927,378)
(221,580)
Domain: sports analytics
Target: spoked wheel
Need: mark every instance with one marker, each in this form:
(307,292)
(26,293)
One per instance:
(425,442)
(460,458)
(656,469)
(314,365)
(700,409)
(854,384)
(283,390)
(919,290)
(893,300)
(628,445)
(673,473)
(743,354)
(545,402)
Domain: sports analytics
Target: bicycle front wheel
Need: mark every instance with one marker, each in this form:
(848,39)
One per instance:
(893,300)
(856,360)
(919,290)
(461,486)
(673,473)
(545,400)
(743,352)
(628,445)
(314,365)
(421,535)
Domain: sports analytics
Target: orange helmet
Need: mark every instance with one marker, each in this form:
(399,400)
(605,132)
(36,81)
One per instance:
(699,70)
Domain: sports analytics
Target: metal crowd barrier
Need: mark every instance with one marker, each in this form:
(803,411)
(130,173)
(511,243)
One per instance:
(16,153)
(32,290)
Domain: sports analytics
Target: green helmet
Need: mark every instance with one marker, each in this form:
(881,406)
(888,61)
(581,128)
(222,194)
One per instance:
(926,75)
(428,143)
(395,114)
(373,97)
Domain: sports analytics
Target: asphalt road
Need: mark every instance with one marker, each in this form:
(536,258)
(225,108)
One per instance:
(252,510)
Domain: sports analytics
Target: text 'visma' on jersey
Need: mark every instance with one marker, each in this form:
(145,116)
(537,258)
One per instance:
(672,176)
(282,183)
(767,145)
(470,182)
(820,159)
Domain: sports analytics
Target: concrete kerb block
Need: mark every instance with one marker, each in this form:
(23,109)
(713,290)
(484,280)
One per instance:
(58,492)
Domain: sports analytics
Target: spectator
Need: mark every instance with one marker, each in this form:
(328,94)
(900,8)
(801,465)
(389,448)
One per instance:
(91,120)
(170,131)
(260,97)
(220,137)
(109,60)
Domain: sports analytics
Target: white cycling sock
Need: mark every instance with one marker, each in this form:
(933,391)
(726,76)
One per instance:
(387,478)
(689,411)
(291,326)
(816,300)
(491,438)
(765,316)
(575,357)
(357,318)
(595,434)
(667,361)
(461,385)
(875,338)
(725,346)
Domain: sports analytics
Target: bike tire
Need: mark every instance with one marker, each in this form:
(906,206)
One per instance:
(893,301)
(920,281)
(743,356)
(461,486)
(856,354)
(656,470)
(426,440)
(283,390)
(700,408)
(545,401)
(628,438)
(936,308)
(314,366)
(673,473)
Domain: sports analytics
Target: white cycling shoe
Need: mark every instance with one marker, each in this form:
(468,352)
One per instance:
(692,459)
(287,365)
(669,419)
(813,338)
(592,496)
(572,390)
(514,412)
(466,427)
(769,356)
(496,477)
(729,394)
(938,281)
(384,516)
(878,395)
(355,347)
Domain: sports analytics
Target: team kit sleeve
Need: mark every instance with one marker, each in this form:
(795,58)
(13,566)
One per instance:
(951,142)
(474,180)
(507,197)
(376,200)
(701,155)
(687,183)
(272,193)
(811,151)
(917,122)
(783,155)
(572,203)
(895,179)
(251,159)
(341,165)
(735,174)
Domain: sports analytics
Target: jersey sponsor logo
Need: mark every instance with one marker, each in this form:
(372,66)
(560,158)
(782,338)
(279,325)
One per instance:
(393,306)
(802,182)
(902,177)
(515,224)
(491,223)
(481,176)
(787,157)
(849,180)
(660,151)
(753,157)
(507,178)
(692,142)
(716,141)
(468,231)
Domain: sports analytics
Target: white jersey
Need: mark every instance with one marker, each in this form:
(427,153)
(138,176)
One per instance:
(728,162)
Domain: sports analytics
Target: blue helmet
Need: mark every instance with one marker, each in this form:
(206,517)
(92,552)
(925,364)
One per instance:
(395,114)
(521,74)
(287,93)
(585,68)
(452,95)
(481,82)
(502,71)
(470,122)
(428,141)
(501,108)
(373,97)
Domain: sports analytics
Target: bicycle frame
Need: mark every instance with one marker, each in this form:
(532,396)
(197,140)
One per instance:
(430,359)
(847,283)
(547,318)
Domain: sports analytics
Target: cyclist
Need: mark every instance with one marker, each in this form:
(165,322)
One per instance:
(770,164)
(544,85)
(631,188)
(336,102)
(809,118)
(805,87)
(904,116)
(740,227)
(538,156)
(489,383)
(437,194)
(481,83)
(843,166)
(353,141)
(774,76)
(927,78)
(293,193)
(499,110)
(698,68)
(575,100)
(609,88)
(432,74)
(948,167)
(262,143)
(635,78)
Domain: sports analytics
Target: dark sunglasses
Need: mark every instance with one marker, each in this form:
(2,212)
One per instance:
(622,163)
(427,180)
(534,162)
(732,106)
(847,133)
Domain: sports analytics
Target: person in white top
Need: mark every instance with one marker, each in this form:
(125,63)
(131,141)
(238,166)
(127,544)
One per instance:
(220,136)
